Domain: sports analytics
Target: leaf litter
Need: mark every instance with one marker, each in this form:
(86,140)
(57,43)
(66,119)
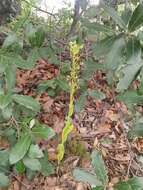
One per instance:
(100,125)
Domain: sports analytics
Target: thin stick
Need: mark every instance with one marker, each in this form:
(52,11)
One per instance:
(39,9)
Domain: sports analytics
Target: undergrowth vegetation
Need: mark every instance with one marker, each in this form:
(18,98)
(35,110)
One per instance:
(96,38)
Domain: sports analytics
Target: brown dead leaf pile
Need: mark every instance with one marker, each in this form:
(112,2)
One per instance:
(100,125)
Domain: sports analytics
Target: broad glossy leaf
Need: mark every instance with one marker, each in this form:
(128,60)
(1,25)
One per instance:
(47,168)
(4,158)
(4,180)
(97,94)
(32,58)
(10,77)
(62,83)
(86,177)
(97,27)
(5,100)
(114,15)
(115,52)
(29,30)
(136,131)
(99,167)
(130,71)
(133,48)
(102,47)
(19,150)
(40,36)
(21,63)
(32,164)
(80,103)
(10,40)
(20,168)
(27,102)
(3,64)
(130,98)
(28,63)
(46,85)
(136,20)
(7,112)
(135,183)
(43,131)
(89,68)
(126,15)
(35,152)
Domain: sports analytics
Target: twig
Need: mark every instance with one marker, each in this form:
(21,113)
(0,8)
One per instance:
(39,9)
(21,182)
(129,147)
(14,176)
(17,126)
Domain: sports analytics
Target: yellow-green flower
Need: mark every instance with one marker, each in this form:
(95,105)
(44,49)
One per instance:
(75,57)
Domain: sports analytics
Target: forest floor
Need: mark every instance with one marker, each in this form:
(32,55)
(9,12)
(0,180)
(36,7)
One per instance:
(100,125)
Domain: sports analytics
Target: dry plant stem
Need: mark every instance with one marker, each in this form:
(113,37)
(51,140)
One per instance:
(39,9)
(17,126)
(129,148)
(23,184)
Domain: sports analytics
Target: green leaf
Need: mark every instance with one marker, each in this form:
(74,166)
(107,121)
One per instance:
(10,77)
(136,131)
(20,168)
(40,36)
(98,188)
(114,15)
(32,164)
(10,40)
(116,51)
(62,83)
(97,94)
(32,58)
(29,30)
(126,15)
(42,131)
(86,177)
(36,36)
(135,183)
(65,68)
(90,67)
(136,20)
(99,167)
(28,63)
(7,112)
(47,84)
(97,27)
(102,47)
(20,149)
(5,100)
(35,152)
(3,64)
(80,103)
(27,102)
(4,180)
(130,98)
(4,158)
(130,71)
(133,48)
(47,168)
